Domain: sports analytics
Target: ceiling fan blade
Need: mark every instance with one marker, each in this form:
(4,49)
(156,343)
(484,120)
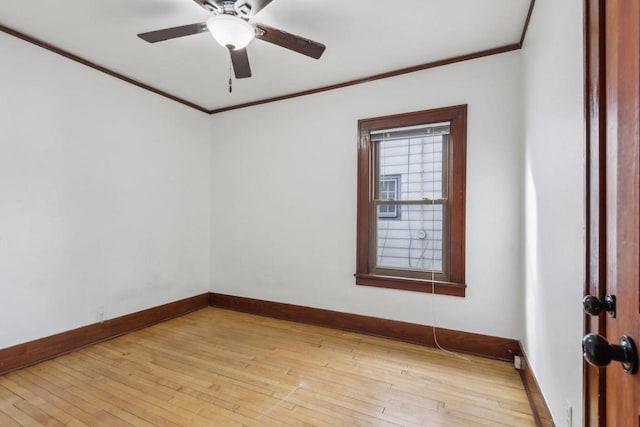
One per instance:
(249,8)
(290,41)
(174,32)
(240,61)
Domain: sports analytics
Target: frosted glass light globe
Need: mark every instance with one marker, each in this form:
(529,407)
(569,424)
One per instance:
(230,31)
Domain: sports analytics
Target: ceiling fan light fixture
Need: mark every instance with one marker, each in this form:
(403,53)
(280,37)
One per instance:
(230,31)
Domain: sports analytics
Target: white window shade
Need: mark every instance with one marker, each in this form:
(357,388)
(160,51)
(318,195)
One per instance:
(411,132)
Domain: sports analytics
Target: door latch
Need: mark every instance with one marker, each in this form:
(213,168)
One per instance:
(593,306)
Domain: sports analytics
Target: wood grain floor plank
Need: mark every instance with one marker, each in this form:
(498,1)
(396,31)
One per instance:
(19,416)
(7,396)
(79,409)
(202,395)
(117,403)
(32,397)
(219,367)
(5,420)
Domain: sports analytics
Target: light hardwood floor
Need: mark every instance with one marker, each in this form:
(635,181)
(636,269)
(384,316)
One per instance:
(217,367)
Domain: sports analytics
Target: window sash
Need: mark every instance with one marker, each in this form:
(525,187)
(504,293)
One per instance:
(442,274)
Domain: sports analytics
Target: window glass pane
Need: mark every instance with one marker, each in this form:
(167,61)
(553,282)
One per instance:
(418,162)
(414,241)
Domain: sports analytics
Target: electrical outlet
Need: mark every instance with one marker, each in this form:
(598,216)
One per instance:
(517,362)
(568,413)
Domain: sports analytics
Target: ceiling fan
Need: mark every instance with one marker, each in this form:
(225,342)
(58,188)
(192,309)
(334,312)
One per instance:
(230,27)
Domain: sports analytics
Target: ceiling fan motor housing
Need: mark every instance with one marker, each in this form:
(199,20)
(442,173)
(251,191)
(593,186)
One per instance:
(227,7)
(209,5)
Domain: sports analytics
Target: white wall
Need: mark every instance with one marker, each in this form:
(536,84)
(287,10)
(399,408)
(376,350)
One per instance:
(554,198)
(283,192)
(104,196)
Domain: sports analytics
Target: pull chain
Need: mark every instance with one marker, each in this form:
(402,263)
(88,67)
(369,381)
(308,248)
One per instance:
(230,66)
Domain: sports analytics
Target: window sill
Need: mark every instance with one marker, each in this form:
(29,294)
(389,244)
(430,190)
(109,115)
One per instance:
(416,285)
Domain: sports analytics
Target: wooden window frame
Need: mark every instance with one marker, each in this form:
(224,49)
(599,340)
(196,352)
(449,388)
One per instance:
(454,214)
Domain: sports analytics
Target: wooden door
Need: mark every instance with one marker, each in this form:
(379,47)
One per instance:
(613,99)
(622,66)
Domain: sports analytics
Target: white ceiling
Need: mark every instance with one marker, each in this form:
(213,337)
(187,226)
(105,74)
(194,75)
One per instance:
(363,38)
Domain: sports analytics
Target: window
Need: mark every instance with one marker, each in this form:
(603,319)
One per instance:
(411,201)
(389,190)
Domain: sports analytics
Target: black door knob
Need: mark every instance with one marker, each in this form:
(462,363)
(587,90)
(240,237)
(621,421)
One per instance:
(598,352)
(594,306)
